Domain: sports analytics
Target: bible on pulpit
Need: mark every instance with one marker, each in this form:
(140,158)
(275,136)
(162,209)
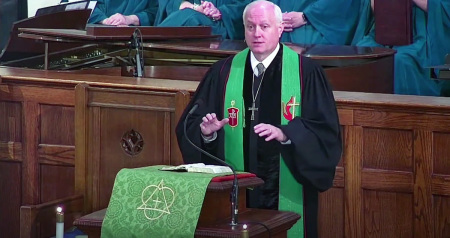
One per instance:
(198,168)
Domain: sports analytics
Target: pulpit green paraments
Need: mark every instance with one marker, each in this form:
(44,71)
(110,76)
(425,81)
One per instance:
(327,21)
(431,29)
(147,202)
(139,12)
(229,26)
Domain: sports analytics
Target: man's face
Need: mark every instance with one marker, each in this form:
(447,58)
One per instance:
(262,30)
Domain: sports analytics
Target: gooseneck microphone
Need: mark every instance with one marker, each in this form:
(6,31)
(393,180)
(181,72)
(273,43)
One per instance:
(235,190)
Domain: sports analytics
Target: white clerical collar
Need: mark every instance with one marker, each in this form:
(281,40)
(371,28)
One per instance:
(266,62)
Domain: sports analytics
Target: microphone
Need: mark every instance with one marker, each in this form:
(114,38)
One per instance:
(136,42)
(235,189)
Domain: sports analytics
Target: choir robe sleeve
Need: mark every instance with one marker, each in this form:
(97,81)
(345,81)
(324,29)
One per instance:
(335,19)
(438,29)
(145,10)
(232,11)
(316,143)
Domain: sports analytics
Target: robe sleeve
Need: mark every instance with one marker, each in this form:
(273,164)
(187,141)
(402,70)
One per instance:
(209,98)
(99,12)
(316,143)
(148,15)
(232,17)
(165,8)
(334,19)
(438,29)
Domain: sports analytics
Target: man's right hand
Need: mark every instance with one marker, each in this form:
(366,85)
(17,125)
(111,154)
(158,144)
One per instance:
(211,124)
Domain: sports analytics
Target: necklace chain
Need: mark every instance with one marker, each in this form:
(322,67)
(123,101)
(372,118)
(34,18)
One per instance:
(253,85)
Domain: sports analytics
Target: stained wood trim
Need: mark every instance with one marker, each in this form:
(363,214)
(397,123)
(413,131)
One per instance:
(80,142)
(182,99)
(398,120)
(56,154)
(94,158)
(38,94)
(11,151)
(441,185)
(387,180)
(423,196)
(166,146)
(111,105)
(339,178)
(345,117)
(30,167)
(353,207)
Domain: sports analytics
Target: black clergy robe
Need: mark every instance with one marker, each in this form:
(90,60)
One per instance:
(316,143)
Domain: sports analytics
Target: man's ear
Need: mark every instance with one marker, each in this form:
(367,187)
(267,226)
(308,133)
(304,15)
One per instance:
(280,29)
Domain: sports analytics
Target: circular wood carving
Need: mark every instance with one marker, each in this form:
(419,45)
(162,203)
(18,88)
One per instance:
(132,142)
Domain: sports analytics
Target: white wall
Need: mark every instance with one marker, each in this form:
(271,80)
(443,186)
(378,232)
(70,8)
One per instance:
(34,5)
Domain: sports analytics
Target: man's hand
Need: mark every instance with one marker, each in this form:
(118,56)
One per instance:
(270,132)
(292,20)
(211,124)
(211,11)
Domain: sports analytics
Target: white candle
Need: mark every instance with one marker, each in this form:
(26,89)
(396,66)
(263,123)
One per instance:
(59,223)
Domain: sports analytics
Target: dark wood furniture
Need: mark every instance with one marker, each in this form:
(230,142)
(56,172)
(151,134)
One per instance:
(393,180)
(214,220)
(393,22)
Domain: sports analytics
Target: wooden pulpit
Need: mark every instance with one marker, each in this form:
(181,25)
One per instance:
(215,216)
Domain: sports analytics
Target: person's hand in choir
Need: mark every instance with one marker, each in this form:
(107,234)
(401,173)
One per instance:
(211,11)
(121,20)
(292,20)
(196,7)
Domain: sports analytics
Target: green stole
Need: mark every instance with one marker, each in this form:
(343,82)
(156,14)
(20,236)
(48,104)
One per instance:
(291,192)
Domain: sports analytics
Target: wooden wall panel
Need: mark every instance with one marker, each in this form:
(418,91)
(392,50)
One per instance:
(387,149)
(57,125)
(331,203)
(442,216)
(441,153)
(56,182)
(151,125)
(387,214)
(10,194)
(10,122)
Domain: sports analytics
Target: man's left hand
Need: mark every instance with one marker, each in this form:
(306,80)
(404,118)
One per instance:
(292,20)
(270,132)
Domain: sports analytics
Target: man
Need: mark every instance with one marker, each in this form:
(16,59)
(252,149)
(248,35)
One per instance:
(124,13)
(239,119)
(223,16)
(431,34)
(319,21)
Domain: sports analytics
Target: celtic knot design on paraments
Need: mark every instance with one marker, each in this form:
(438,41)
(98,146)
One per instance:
(132,142)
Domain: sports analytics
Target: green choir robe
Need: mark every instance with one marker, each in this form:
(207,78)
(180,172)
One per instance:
(230,26)
(329,21)
(431,37)
(145,10)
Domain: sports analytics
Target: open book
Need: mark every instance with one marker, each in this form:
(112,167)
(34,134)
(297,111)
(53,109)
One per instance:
(198,168)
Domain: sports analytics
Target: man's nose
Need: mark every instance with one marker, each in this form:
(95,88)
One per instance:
(258,31)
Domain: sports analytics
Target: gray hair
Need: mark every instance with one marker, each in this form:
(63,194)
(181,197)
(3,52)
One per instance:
(276,9)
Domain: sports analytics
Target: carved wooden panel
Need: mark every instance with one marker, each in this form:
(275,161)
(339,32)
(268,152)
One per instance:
(10,122)
(331,203)
(10,193)
(50,182)
(442,216)
(388,214)
(57,125)
(441,153)
(387,149)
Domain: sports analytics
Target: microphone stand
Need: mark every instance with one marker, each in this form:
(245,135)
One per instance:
(235,188)
(136,43)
